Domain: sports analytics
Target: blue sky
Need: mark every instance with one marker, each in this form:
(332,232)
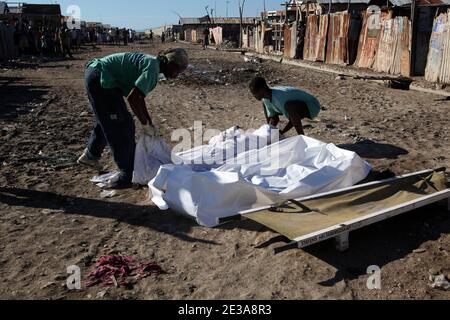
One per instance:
(141,14)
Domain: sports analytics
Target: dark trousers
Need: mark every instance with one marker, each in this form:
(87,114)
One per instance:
(66,51)
(114,125)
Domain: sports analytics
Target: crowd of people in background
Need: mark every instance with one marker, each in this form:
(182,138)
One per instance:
(19,38)
(113,36)
(165,36)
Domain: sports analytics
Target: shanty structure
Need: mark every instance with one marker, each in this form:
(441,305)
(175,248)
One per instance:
(280,32)
(221,29)
(438,63)
(399,37)
(48,15)
(13,14)
(167,29)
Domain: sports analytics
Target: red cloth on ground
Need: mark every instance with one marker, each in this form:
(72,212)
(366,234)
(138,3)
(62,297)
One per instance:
(116,269)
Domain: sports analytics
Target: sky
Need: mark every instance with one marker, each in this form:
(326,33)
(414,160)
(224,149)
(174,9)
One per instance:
(143,14)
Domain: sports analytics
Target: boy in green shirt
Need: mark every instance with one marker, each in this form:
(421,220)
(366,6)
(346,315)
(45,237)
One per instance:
(290,102)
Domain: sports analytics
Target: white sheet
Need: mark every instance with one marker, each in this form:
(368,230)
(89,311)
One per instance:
(253,177)
(151,153)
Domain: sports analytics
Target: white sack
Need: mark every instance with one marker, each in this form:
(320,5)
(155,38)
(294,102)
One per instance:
(151,154)
(289,169)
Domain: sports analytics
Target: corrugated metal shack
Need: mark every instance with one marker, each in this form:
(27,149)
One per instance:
(438,64)
(370,37)
(391,37)
(282,32)
(38,15)
(333,32)
(48,15)
(226,29)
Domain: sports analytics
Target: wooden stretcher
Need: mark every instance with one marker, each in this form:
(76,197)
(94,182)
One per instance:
(335,214)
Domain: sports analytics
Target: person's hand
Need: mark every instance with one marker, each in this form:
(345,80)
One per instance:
(272,127)
(151,131)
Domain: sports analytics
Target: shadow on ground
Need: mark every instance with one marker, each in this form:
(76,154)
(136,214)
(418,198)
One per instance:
(377,244)
(19,98)
(143,216)
(373,150)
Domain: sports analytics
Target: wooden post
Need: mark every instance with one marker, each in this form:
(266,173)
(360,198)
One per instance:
(241,14)
(342,243)
(412,55)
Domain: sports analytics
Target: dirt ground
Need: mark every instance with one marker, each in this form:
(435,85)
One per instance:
(52,217)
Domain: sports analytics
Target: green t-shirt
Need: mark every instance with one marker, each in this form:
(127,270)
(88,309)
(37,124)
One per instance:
(282,95)
(128,70)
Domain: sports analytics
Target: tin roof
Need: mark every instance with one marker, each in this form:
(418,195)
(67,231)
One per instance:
(45,9)
(396,3)
(206,19)
(340,1)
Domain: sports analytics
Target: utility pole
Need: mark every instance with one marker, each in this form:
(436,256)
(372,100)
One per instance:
(228,2)
(241,15)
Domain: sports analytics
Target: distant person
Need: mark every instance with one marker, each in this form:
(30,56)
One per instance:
(65,43)
(125,37)
(74,39)
(205,38)
(163,37)
(32,43)
(108,80)
(23,39)
(301,33)
(130,36)
(290,102)
(92,37)
(58,44)
(117,37)
(151,36)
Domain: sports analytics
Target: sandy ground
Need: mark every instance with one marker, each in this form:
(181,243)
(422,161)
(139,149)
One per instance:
(52,217)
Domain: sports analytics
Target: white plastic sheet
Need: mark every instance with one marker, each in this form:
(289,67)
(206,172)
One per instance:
(252,176)
(106,181)
(151,154)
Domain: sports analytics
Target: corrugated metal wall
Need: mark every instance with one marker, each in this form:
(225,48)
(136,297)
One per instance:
(322,38)
(311,37)
(290,40)
(369,38)
(217,34)
(438,64)
(393,54)
(337,38)
(259,38)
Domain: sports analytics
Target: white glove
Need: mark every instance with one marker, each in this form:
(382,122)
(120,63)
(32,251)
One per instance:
(151,131)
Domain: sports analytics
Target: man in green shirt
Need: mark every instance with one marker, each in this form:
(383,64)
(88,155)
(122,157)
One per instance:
(108,80)
(290,102)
